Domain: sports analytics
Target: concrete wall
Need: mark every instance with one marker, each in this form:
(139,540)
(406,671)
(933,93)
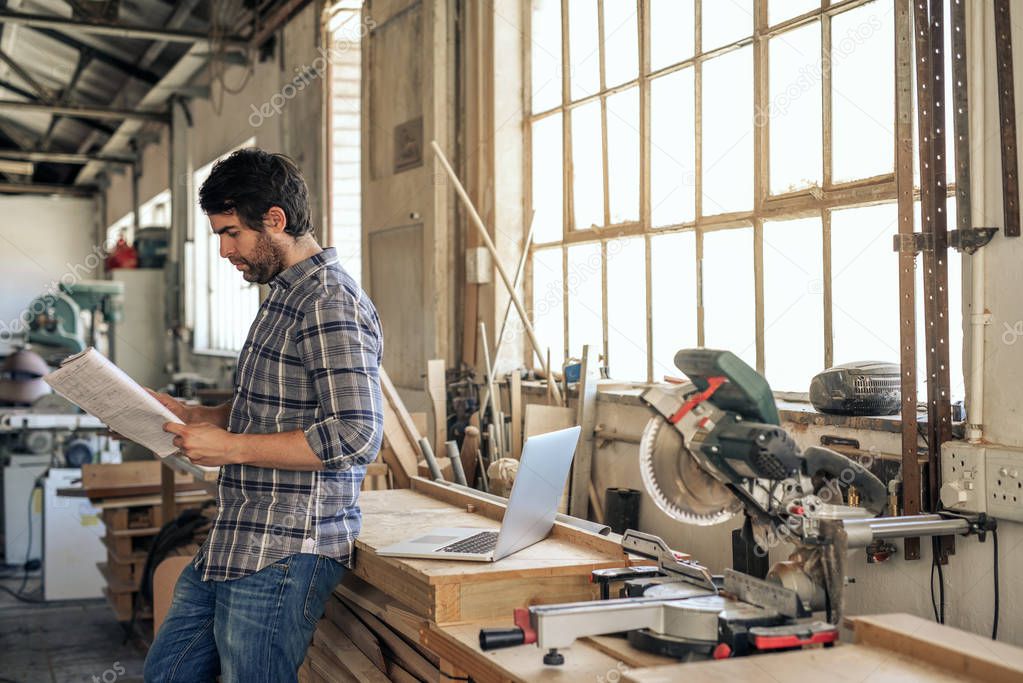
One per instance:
(43,241)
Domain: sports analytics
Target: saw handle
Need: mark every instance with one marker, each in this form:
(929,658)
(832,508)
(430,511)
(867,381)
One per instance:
(523,633)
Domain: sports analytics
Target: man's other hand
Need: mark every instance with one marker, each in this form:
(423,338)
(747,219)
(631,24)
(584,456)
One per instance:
(180,410)
(203,443)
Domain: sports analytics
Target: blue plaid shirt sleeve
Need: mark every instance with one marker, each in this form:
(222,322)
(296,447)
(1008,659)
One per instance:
(340,345)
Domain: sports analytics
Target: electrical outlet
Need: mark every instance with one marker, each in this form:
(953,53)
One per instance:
(963,483)
(1004,480)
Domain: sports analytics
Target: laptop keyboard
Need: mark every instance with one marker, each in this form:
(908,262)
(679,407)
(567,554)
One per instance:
(483,542)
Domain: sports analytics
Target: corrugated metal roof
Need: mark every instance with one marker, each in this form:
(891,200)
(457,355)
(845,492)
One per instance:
(118,72)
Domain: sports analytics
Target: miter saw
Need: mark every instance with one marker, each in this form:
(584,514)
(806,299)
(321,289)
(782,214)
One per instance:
(713,448)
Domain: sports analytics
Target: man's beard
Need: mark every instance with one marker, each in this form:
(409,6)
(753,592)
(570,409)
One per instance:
(265,263)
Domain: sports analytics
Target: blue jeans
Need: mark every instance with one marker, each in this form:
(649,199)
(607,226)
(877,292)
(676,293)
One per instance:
(247,630)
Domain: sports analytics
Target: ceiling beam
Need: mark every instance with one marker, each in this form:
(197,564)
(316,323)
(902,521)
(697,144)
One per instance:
(121,65)
(116,30)
(95,125)
(40,188)
(182,11)
(65,157)
(87,112)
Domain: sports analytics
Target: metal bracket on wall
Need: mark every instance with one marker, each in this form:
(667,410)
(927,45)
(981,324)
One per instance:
(1007,117)
(967,241)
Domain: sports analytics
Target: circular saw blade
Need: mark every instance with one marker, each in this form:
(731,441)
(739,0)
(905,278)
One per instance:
(677,483)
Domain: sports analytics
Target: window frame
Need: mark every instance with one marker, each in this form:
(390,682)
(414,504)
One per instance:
(800,203)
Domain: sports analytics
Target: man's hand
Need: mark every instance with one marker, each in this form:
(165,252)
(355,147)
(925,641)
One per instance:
(204,444)
(180,410)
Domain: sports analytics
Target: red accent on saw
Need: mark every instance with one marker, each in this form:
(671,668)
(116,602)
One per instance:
(713,384)
(722,651)
(778,642)
(522,621)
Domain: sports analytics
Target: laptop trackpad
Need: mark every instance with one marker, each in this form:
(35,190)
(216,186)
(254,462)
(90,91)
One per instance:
(434,539)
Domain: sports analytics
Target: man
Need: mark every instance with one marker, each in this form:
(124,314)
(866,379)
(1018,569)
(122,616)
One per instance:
(293,444)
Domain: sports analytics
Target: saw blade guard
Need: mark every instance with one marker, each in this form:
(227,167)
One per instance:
(679,486)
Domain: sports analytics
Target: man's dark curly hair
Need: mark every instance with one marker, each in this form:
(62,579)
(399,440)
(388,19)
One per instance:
(250,181)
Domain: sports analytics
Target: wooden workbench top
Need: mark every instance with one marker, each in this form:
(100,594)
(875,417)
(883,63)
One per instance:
(556,569)
(399,514)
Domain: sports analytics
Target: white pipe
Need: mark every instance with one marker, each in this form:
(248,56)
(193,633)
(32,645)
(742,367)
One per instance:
(977,28)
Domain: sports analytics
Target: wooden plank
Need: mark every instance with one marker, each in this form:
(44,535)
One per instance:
(421,421)
(346,655)
(459,644)
(400,618)
(326,667)
(364,639)
(541,419)
(398,674)
(137,501)
(950,649)
(436,389)
(404,419)
(515,390)
(399,454)
(586,418)
(842,663)
(406,655)
(127,474)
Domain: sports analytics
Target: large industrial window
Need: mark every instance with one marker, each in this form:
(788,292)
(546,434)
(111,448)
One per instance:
(717,173)
(345,31)
(222,304)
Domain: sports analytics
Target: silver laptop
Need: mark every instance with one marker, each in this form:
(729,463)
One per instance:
(532,506)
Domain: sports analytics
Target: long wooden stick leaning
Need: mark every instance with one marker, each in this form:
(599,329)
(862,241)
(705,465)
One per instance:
(489,243)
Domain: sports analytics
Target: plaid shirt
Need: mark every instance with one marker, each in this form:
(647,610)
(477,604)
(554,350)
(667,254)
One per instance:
(311,362)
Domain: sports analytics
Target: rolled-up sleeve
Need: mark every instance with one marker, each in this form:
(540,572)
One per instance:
(340,344)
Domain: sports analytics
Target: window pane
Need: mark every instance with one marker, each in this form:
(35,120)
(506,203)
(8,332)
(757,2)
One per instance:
(584,301)
(795,111)
(584,54)
(728,132)
(780,10)
(545,54)
(621,42)
(587,166)
(547,179)
(793,303)
(672,32)
(673,308)
(728,293)
(672,149)
(548,304)
(623,155)
(865,284)
(725,22)
(863,92)
(626,309)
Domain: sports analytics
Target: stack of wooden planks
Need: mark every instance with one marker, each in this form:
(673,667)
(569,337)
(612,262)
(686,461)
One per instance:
(365,635)
(128,495)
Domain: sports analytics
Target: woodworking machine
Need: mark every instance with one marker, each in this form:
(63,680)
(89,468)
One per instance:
(713,448)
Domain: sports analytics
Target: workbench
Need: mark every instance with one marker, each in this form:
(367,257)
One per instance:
(440,606)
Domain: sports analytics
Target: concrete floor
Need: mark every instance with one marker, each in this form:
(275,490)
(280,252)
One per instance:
(63,642)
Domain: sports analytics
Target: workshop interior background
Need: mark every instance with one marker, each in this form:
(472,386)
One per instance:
(725,187)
